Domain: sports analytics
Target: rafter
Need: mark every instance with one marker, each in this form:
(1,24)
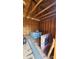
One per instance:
(45,9)
(27,8)
(34,1)
(47,13)
(40,1)
(24,2)
(48,16)
(32,18)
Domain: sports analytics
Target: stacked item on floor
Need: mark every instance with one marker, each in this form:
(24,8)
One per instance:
(46,41)
(35,51)
(24,40)
(36,37)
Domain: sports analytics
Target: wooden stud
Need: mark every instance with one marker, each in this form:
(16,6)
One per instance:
(55,51)
(51,49)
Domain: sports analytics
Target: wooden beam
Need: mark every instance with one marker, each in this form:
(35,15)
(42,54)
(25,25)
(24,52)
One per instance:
(55,51)
(24,3)
(45,9)
(47,13)
(27,8)
(36,6)
(32,18)
(52,47)
(48,16)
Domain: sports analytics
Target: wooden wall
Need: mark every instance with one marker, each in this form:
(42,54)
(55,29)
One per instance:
(30,26)
(48,26)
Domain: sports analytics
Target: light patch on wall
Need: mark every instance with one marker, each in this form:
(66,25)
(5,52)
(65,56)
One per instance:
(26,30)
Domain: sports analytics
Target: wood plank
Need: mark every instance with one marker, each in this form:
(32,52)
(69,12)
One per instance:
(24,3)
(48,16)
(47,13)
(32,18)
(45,9)
(40,1)
(55,50)
(27,7)
(30,26)
(51,49)
(49,26)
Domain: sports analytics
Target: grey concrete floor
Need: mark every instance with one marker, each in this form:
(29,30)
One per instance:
(27,52)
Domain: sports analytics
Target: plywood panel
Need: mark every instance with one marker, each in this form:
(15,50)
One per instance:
(30,26)
(48,26)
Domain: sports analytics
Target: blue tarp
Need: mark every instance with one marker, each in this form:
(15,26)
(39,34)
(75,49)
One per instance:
(35,35)
(34,50)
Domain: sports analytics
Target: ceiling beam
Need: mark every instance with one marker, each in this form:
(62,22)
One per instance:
(32,18)
(40,1)
(45,9)
(27,8)
(47,13)
(48,16)
(24,2)
(34,1)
